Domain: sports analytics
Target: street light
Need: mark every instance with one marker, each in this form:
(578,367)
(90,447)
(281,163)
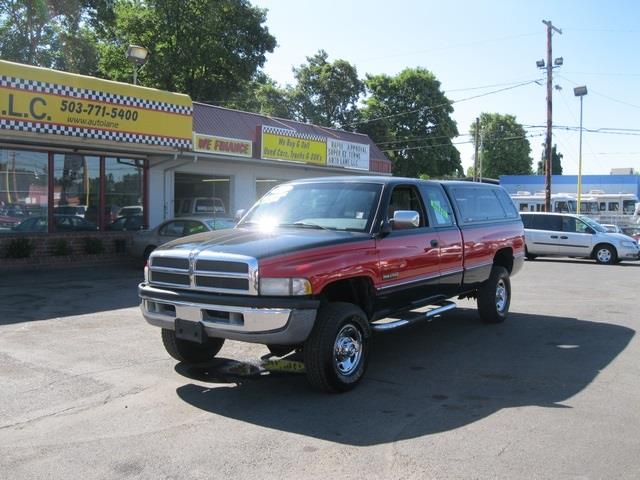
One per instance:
(136,55)
(580,92)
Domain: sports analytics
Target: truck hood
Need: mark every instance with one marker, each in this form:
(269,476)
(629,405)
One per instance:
(260,244)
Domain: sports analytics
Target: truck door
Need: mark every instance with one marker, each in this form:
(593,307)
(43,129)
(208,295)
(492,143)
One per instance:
(409,257)
(449,237)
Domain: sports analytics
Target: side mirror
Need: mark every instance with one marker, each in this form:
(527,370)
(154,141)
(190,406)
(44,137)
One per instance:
(405,219)
(239,214)
(590,230)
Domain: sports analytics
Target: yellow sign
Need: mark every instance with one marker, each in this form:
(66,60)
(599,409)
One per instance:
(225,146)
(40,100)
(282,144)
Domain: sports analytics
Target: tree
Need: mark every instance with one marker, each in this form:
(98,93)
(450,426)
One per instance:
(53,34)
(409,117)
(326,93)
(504,147)
(556,162)
(206,48)
(262,95)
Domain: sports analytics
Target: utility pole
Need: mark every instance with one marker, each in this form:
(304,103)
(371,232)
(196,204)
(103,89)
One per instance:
(547,163)
(475,158)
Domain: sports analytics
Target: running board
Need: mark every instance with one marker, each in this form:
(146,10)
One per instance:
(415,318)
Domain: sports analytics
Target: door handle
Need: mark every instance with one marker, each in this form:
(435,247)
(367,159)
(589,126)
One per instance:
(434,243)
(564,237)
(554,236)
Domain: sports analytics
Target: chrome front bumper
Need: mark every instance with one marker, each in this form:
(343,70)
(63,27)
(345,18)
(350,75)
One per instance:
(256,324)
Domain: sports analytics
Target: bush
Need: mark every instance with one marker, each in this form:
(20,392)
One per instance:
(93,246)
(20,248)
(61,248)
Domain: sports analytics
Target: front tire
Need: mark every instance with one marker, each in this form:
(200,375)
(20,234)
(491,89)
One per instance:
(336,353)
(494,296)
(605,255)
(190,352)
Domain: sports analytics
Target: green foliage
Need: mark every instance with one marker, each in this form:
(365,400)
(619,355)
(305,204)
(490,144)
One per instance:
(54,34)
(326,93)
(409,117)
(262,95)
(504,147)
(61,247)
(556,162)
(20,248)
(206,48)
(93,246)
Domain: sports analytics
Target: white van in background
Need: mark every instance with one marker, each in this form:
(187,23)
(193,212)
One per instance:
(568,235)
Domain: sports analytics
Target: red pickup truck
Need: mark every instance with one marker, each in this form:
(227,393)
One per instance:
(318,265)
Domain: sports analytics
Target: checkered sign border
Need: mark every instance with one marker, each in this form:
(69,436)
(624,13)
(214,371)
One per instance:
(87,94)
(292,133)
(38,127)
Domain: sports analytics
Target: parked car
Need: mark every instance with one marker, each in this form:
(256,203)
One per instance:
(611,228)
(568,235)
(147,241)
(7,222)
(633,232)
(63,223)
(130,211)
(77,210)
(200,206)
(127,223)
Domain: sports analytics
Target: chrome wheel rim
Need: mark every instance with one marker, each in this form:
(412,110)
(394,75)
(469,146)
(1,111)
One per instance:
(501,296)
(347,349)
(604,255)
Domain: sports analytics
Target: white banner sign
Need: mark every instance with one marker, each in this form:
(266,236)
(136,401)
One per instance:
(347,154)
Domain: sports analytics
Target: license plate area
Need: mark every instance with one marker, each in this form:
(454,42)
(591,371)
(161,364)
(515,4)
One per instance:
(190,331)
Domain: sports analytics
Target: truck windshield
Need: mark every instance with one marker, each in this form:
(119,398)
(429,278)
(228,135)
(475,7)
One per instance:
(334,206)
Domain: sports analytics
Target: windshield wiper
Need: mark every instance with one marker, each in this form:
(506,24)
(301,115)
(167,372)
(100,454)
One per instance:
(304,225)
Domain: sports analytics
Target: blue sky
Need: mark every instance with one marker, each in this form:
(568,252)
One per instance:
(476,44)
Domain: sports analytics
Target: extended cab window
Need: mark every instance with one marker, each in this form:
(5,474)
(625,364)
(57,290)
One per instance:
(406,197)
(478,204)
(438,205)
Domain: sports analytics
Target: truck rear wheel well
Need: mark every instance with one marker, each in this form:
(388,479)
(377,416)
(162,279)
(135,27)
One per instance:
(357,291)
(504,258)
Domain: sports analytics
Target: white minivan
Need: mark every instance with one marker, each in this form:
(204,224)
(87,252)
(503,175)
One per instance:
(568,235)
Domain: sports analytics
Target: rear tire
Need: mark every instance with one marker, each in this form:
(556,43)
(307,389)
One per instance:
(605,254)
(190,352)
(494,296)
(336,353)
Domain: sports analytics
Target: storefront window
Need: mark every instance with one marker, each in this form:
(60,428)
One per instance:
(123,189)
(263,185)
(76,192)
(203,195)
(23,191)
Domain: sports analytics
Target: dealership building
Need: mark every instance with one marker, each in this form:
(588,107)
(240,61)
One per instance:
(72,145)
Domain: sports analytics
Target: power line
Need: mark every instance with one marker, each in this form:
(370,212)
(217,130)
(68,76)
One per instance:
(495,139)
(603,95)
(450,47)
(431,107)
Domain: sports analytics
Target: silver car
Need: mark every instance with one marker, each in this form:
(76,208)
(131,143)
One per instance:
(147,241)
(568,235)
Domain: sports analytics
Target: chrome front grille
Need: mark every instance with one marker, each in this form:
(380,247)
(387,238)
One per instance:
(204,271)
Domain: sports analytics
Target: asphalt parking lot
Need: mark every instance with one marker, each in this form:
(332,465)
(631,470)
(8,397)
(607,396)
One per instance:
(88,391)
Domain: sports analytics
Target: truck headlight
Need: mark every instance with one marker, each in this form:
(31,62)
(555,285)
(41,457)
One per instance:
(628,244)
(281,287)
